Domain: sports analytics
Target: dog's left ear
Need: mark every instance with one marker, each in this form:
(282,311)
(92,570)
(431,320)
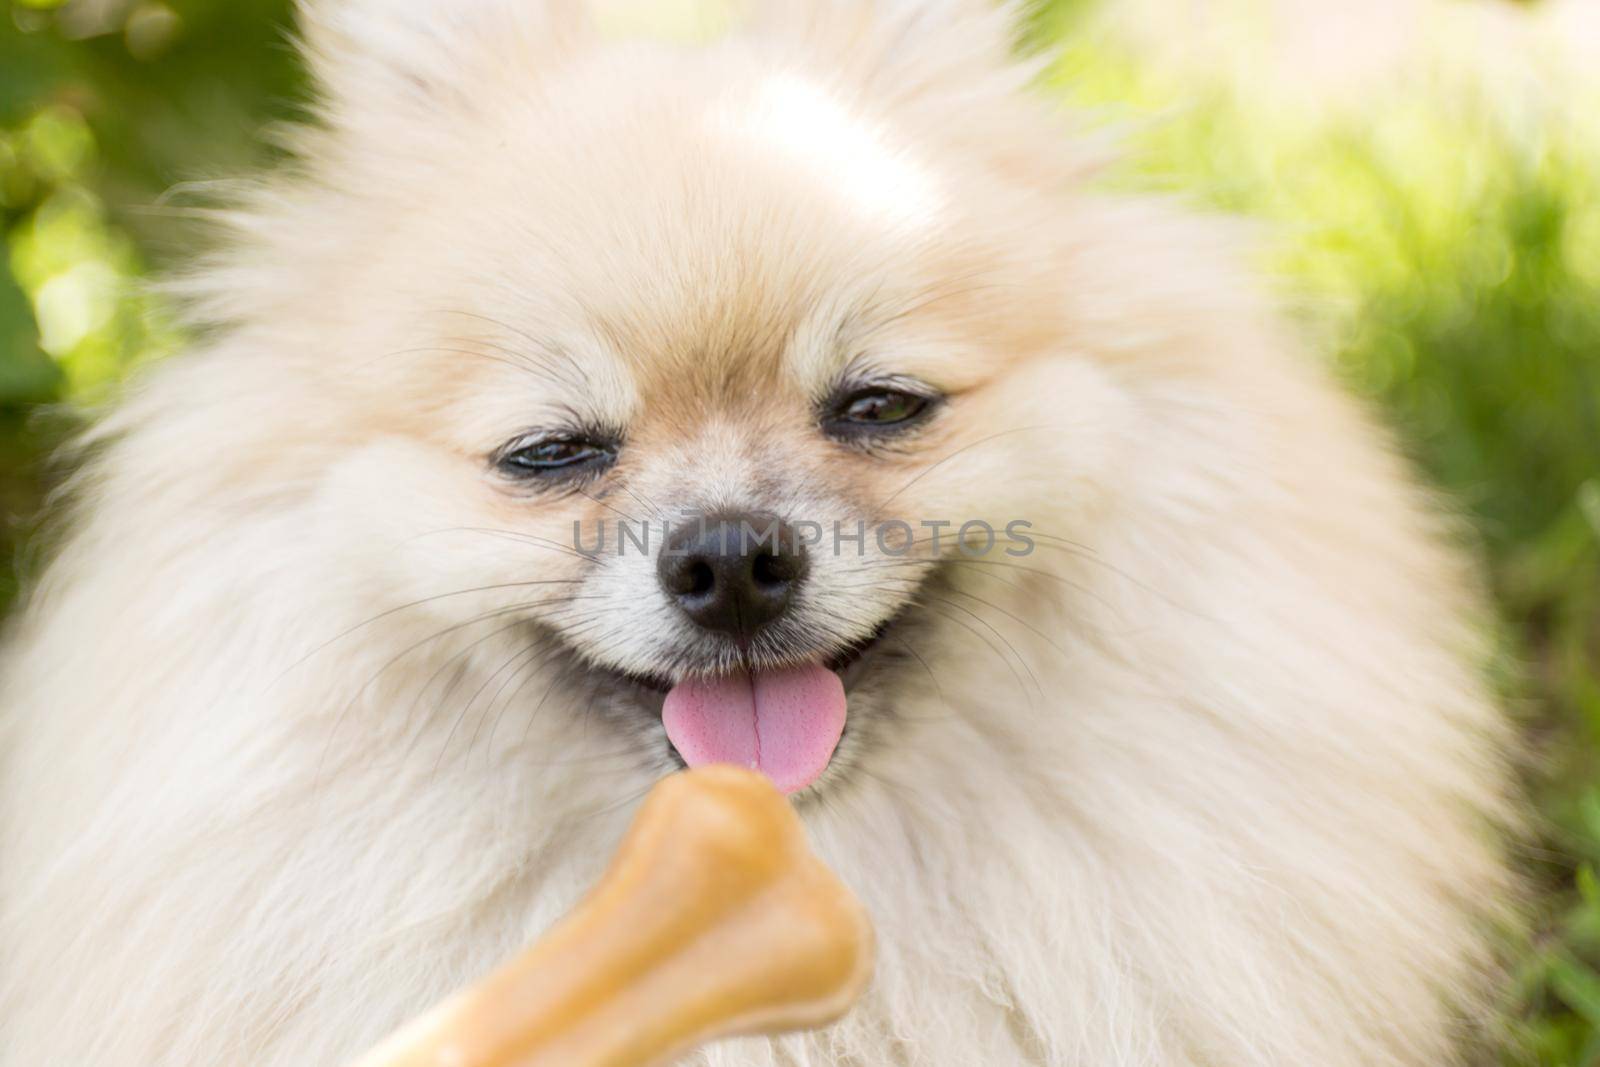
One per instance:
(430,53)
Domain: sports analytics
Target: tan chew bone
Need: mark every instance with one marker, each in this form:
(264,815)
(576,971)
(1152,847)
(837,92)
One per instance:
(713,920)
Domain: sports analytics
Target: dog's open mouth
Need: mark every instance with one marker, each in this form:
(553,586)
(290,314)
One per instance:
(783,721)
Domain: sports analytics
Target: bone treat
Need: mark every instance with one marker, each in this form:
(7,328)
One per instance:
(713,920)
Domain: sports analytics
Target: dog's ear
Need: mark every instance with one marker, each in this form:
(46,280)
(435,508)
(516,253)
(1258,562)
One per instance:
(415,52)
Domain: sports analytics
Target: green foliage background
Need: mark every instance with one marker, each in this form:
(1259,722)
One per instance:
(1445,249)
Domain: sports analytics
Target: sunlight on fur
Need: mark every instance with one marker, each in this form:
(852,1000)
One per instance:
(791,118)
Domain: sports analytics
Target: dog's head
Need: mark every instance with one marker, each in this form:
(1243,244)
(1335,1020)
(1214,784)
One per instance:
(740,372)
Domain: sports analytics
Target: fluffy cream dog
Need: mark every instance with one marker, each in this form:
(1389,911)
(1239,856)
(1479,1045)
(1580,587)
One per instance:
(319,714)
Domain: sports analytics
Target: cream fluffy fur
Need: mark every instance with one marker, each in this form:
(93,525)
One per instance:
(1208,779)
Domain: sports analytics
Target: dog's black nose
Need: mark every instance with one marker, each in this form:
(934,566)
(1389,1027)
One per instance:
(733,573)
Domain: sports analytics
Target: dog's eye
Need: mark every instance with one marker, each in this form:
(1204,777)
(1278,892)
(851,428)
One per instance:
(554,457)
(883,408)
(877,409)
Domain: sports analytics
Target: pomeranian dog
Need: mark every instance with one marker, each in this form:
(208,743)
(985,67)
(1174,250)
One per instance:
(379,614)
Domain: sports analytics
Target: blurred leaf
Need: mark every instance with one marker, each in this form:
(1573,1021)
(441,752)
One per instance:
(1579,986)
(56,144)
(1588,887)
(26,373)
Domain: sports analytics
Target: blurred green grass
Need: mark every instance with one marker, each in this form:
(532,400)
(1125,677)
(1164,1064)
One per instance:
(1445,248)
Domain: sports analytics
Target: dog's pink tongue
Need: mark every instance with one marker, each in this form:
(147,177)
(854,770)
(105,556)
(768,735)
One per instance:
(785,724)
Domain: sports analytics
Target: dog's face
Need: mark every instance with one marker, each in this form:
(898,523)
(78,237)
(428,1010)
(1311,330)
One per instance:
(699,365)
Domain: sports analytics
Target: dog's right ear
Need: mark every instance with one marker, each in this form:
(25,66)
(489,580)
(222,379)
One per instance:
(430,53)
